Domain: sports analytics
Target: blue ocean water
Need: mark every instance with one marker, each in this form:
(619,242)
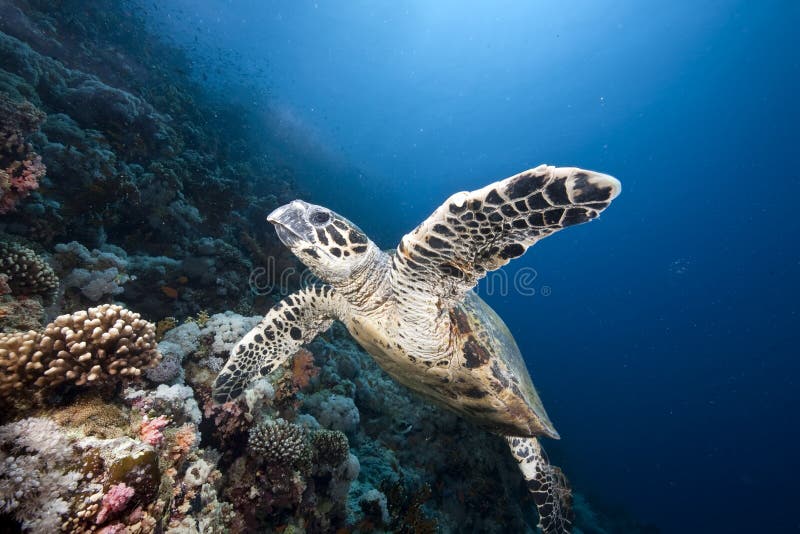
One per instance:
(662,337)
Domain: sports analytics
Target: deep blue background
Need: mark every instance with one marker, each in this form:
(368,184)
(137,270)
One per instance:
(666,351)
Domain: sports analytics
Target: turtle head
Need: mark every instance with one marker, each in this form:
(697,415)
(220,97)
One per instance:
(330,245)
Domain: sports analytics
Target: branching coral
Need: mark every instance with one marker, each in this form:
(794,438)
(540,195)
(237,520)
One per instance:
(279,442)
(97,346)
(26,272)
(330,446)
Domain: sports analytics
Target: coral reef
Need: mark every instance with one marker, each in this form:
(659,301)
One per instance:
(152,457)
(34,486)
(125,186)
(176,187)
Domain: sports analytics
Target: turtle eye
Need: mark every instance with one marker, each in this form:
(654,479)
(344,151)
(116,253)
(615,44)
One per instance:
(319,218)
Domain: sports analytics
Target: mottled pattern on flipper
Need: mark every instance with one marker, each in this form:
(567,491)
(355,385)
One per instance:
(547,484)
(295,320)
(473,233)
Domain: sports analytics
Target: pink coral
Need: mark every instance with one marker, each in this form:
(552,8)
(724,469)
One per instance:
(20,167)
(229,418)
(18,180)
(185,439)
(303,368)
(150,431)
(115,500)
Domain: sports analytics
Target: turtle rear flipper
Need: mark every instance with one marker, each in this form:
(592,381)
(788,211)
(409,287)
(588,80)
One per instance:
(547,484)
(295,320)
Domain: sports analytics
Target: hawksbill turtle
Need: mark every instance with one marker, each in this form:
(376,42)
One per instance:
(415,311)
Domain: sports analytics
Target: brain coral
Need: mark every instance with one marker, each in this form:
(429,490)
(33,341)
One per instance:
(26,272)
(96,346)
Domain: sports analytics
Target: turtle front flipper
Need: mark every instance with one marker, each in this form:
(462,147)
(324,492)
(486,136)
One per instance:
(295,320)
(547,483)
(480,231)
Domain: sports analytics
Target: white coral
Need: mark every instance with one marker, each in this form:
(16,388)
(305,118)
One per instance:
(228,328)
(96,274)
(335,412)
(258,396)
(33,479)
(37,435)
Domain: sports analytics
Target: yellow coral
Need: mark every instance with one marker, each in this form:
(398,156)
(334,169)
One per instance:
(165,325)
(201,320)
(94,416)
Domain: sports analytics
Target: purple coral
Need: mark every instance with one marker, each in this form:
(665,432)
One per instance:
(115,500)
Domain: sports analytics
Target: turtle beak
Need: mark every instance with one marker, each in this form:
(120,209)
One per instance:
(291,222)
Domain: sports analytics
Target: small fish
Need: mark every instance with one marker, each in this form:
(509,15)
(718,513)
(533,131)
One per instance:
(171,292)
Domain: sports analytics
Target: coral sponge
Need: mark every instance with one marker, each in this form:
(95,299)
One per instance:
(96,346)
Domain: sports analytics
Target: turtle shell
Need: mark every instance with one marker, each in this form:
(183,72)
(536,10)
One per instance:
(492,383)
(481,376)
